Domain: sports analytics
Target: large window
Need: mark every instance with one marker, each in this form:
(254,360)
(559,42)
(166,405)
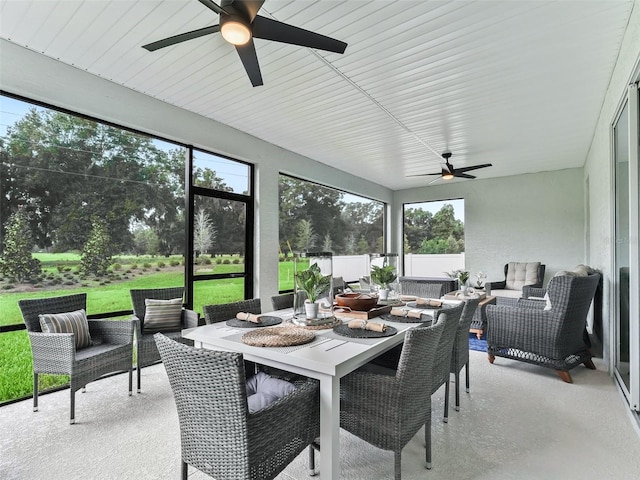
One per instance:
(433,235)
(90,207)
(314,217)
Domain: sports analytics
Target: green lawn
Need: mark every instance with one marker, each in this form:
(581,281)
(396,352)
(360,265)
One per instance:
(16,378)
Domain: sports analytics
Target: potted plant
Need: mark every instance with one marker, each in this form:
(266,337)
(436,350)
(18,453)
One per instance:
(383,276)
(313,284)
(463,278)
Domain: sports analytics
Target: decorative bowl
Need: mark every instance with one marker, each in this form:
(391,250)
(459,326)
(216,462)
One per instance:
(360,302)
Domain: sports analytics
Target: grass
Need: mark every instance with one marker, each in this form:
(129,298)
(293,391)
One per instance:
(16,366)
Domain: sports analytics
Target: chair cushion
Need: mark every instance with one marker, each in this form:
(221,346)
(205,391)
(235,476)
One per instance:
(70,322)
(263,390)
(521,274)
(162,315)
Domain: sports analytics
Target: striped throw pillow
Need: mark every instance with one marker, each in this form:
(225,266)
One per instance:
(70,322)
(162,315)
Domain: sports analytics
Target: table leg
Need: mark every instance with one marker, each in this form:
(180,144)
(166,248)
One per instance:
(329,427)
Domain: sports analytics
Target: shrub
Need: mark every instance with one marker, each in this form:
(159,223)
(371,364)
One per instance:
(226,261)
(218,261)
(146,265)
(116,266)
(60,268)
(236,261)
(161,264)
(96,257)
(16,260)
(8,286)
(174,263)
(133,266)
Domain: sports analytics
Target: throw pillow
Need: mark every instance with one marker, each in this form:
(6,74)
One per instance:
(263,390)
(547,301)
(162,315)
(69,322)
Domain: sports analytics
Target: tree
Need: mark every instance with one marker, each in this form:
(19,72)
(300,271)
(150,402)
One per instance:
(327,244)
(17,261)
(96,252)
(417,227)
(203,232)
(305,237)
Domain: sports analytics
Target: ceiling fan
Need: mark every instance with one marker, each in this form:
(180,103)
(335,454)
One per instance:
(240,23)
(448,172)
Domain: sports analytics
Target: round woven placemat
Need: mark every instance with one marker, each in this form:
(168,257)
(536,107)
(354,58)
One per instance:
(345,331)
(265,321)
(278,337)
(325,326)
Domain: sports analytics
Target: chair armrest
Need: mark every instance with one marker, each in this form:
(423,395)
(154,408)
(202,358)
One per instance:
(531,304)
(190,319)
(53,352)
(116,332)
(499,285)
(359,389)
(531,291)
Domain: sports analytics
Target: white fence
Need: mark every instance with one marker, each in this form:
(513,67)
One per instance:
(352,267)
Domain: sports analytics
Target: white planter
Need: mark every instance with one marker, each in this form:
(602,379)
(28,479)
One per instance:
(311,310)
(383,293)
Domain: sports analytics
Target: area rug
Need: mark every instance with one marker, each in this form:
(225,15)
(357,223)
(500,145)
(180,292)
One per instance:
(479,344)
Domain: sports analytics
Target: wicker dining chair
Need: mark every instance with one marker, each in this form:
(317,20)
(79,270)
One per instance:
(147,352)
(460,354)
(280,302)
(421,289)
(219,436)
(386,409)
(111,348)
(226,311)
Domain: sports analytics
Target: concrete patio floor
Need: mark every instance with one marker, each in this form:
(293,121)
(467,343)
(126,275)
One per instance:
(519,422)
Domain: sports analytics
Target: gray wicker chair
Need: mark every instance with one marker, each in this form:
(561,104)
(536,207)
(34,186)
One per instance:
(460,354)
(147,352)
(421,289)
(280,302)
(56,353)
(551,338)
(218,434)
(387,410)
(226,311)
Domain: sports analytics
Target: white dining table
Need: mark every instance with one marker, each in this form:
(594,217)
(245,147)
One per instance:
(328,358)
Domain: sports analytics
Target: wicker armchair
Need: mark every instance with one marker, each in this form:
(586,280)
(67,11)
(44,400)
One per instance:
(387,410)
(56,353)
(548,336)
(226,311)
(147,352)
(218,434)
(280,302)
(460,354)
(516,276)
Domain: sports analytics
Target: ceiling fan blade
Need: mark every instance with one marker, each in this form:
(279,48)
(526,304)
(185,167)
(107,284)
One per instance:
(249,59)
(424,174)
(248,8)
(213,6)
(462,175)
(183,37)
(473,167)
(268,29)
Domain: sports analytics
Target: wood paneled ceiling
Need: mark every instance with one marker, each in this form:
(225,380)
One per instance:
(518,84)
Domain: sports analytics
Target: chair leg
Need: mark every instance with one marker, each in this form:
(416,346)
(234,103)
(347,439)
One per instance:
(491,358)
(398,465)
(35,392)
(73,406)
(427,441)
(466,372)
(138,373)
(184,469)
(445,419)
(457,375)
(565,376)
(130,381)
(589,364)
(312,461)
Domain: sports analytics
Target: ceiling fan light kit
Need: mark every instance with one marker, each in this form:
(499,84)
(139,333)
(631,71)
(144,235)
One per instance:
(239,24)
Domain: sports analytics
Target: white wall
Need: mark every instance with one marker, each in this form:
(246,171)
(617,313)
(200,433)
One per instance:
(598,169)
(525,218)
(37,77)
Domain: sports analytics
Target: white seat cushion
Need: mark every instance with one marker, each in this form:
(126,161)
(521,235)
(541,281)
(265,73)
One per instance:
(507,293)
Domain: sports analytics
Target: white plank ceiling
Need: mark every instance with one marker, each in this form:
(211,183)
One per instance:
(515,83)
